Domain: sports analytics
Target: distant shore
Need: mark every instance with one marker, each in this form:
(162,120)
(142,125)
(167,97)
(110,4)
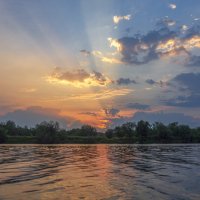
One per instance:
(141,132)
(88,140)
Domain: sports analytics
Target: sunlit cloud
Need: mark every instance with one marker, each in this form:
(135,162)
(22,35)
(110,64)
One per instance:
(159,43)
(172,6)
(184,27)
(117,19)
(105,58)
(105,94)
(176,44)
(111,60)
(91,96)
(115,43)
(79,78)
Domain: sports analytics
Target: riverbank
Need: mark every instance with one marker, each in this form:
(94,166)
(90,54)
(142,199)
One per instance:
(88,140)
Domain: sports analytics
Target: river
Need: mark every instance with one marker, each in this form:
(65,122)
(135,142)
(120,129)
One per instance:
(106,172)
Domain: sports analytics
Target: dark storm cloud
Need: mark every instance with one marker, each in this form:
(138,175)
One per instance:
(138,106)
(189,83)
(125,81)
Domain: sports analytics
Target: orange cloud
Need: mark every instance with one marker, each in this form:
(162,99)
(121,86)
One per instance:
(79,78)
(175,45)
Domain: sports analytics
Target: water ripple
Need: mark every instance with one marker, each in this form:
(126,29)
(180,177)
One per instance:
(104,172)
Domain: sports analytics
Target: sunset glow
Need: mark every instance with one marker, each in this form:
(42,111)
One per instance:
(101,63)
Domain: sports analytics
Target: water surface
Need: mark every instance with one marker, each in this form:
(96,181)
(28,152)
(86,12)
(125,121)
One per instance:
(106,172)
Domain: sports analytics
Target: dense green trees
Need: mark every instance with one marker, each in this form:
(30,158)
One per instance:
(46,132)
(3,135)
(142,129)
(140,132)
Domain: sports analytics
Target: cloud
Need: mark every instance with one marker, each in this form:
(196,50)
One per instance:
(110,60)
(172,6)
(78,78)
(117,19)
(115,43)
(4,108)
(150,81)
(161,42)
(152,117)
(35,115)
(184,27)
(166,22)
(190,80)
(89,113)
(166,118)
(101,94)
(85,52)
(138,106)
(125,81)
(158,83)
(111,112)
(105,94)
(189,84)
(102,57)
(193,61)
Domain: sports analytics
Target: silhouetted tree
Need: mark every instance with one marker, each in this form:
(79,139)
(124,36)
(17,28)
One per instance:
(87,130)
(129,128)
(142,130)
(185,133)
(161,131)
(46,132)
(3,135)
(10,126)
(109,133)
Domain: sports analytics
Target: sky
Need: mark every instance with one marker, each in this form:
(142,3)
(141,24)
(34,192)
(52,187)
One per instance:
(99,62)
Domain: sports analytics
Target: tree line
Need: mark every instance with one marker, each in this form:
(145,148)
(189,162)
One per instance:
(130,132)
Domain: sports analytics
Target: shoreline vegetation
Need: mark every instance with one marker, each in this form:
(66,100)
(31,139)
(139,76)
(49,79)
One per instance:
(129,133)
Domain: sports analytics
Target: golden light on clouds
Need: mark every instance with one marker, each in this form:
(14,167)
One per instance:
(115,43)
(192,42)
(111,60)
(105,94)
(167,46)
(79,78)
(174,45)
(106,59)
(117,19)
